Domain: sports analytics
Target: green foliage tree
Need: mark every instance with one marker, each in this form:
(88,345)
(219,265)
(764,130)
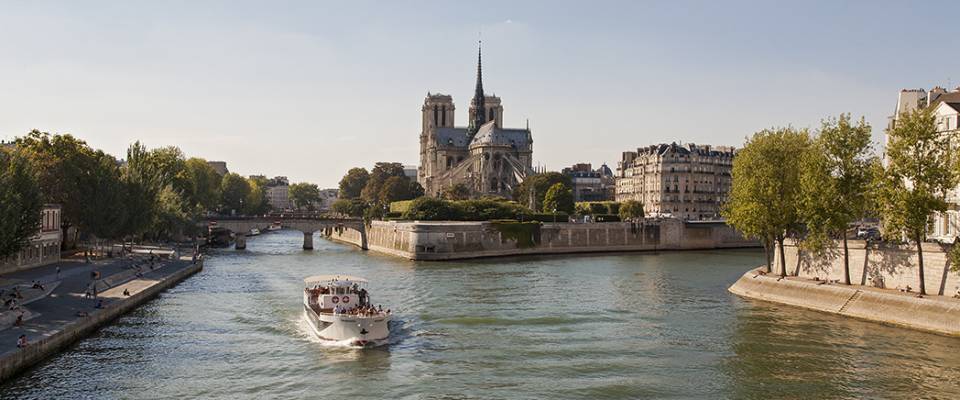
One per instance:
(835,179)
(382,171)
(631,210)
(397,188)
(234,190)
(457,191)
(352,184)
(920,171)
(20,202)
(61,163)
(559,198)
(304,195)
(351,207)
(256,202)
(764,195)
(105,211)
(537,186)
(204,192)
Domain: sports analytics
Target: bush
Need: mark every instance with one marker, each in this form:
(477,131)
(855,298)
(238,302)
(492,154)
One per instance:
(598,207)
(430,209)
(400,207)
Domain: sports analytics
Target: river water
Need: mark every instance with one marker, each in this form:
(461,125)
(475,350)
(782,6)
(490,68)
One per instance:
(654,325)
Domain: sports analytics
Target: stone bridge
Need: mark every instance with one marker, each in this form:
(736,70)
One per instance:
(306,223)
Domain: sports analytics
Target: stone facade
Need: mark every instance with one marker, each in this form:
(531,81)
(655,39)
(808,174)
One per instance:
(945,227)
(689,182)
(591,184)
(44,247)
(279,197)
(485,157)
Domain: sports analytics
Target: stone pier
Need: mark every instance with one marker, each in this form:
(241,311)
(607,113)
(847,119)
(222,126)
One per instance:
(308,240)
(240,242)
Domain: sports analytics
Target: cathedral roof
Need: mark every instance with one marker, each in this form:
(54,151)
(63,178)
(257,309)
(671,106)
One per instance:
(490,135)
(456,137)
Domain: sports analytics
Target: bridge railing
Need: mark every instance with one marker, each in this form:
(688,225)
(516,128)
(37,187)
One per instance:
(280,216)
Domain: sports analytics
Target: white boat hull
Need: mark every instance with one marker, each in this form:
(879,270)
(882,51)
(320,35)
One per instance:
(359,330)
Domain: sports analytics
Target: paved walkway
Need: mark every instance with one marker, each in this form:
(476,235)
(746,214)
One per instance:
(67,300)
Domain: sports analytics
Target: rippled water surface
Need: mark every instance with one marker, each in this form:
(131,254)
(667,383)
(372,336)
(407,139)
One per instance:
(602,326)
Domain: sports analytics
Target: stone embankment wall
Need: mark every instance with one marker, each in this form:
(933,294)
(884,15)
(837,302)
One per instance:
(14,362)
(931,313)
(880,265)
(461,240)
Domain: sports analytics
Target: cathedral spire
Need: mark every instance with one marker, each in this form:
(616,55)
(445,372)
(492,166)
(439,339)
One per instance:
(480,111)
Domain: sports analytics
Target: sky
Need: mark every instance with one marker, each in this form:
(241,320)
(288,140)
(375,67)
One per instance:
(309,89)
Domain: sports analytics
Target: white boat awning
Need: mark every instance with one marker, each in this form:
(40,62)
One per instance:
(347,279)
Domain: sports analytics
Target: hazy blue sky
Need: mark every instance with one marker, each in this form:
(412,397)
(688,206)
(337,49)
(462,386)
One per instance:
(309,89)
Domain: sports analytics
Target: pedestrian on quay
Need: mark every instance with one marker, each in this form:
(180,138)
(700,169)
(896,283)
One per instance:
(58,272)
(22,341)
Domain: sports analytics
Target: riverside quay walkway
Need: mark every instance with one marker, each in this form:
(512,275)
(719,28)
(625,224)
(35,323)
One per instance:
(69,312)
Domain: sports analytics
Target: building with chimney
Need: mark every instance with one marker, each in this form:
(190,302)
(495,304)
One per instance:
(689,182)
(485,157)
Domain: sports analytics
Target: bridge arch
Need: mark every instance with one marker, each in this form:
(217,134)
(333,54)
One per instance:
(239,225)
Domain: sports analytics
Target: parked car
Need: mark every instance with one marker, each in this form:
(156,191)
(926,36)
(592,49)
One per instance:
(869,233)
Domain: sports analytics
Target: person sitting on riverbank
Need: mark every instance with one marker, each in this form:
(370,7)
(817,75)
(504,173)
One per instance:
(126,292)
(22,341)
(37,285)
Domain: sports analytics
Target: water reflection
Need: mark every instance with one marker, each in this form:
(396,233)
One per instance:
(799,353)
(658,325)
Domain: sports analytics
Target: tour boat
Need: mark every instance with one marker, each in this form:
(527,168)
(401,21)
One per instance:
(275,226)
(253,232)
(338,308)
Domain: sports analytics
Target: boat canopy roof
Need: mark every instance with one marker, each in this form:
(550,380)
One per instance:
(336,280)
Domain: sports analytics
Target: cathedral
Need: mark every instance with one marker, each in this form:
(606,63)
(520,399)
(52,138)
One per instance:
(487,158)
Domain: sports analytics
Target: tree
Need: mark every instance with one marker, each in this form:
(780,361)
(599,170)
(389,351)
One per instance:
(304,195)
(537,185)
(919,173)
(457,191)
(20,202)
(256,202)
(378,177)
(398,188)
(204,191)
(559,198)
(835,179)
(631,210)
(234,190)
(350,207)
(105,211)
(352,184)
(765,190)
(61,163)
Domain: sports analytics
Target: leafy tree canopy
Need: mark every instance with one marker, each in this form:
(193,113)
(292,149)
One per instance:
(353,183)
(20,202)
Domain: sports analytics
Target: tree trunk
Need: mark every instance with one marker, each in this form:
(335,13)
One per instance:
(783,259)
(767,249)
(923,288)
(846,260)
